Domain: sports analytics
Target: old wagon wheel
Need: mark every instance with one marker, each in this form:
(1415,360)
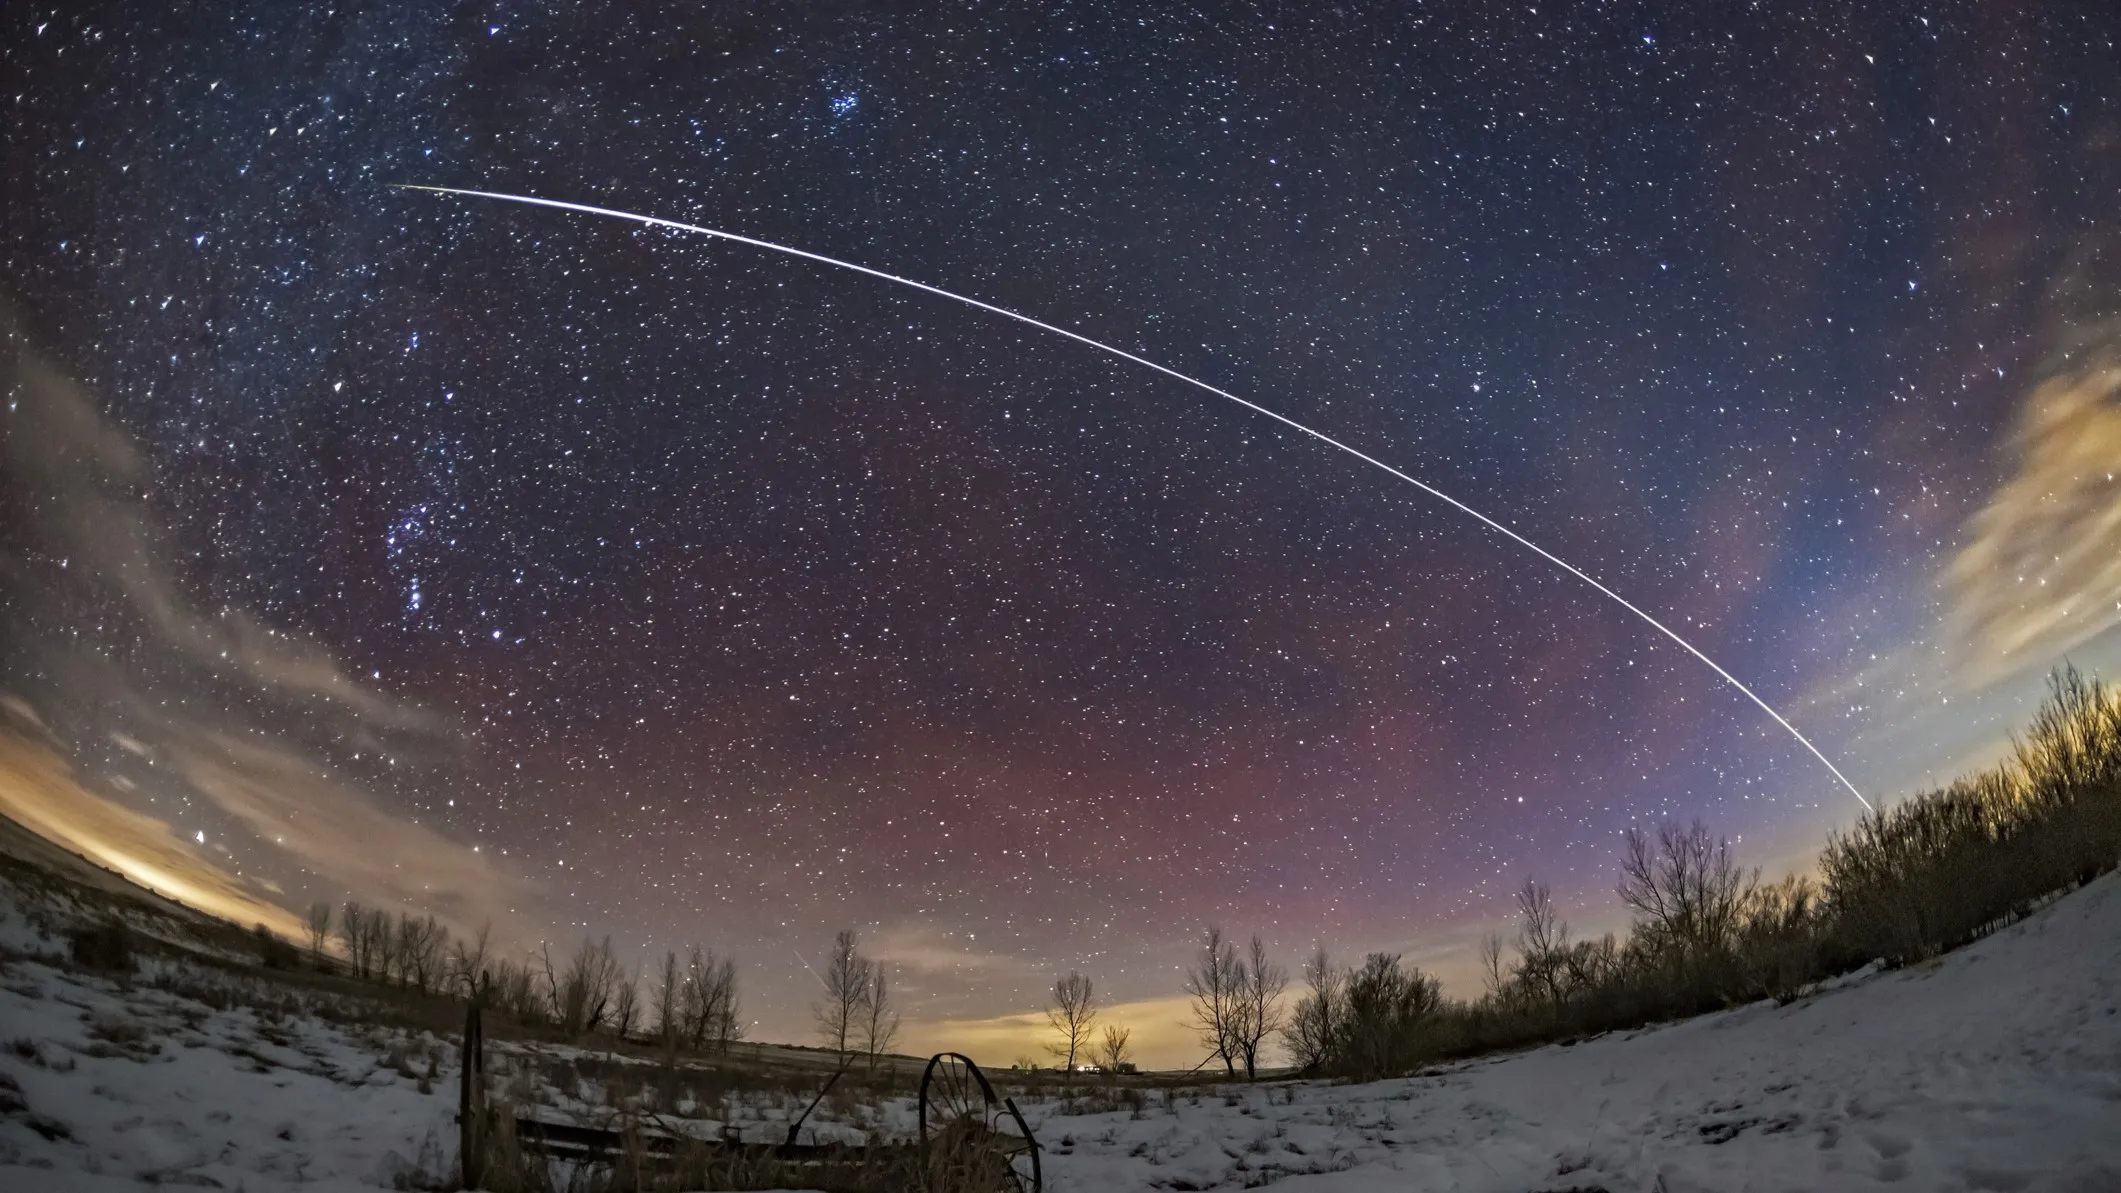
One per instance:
(971,1137)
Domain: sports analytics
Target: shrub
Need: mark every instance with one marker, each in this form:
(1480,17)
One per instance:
(107,946)
(1689,896)
(1928,874)
(1385,1008)
(274,953)
(1365,1023)
(1943,868)
(1779,939)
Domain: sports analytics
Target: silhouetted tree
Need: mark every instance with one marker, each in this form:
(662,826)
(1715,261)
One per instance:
(469,961)
(1688,894)
(839,1012)
(1386,1008)
(709,1001)
(1070,1014)
(1113,1050)
(625,1003)
(353,930)
(1213,983)
(1542,945)
(1260,983)
(319,924)
(581,994)
(1314,1028)
(880,1019)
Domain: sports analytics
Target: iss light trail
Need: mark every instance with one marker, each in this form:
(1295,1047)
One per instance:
(1256,408)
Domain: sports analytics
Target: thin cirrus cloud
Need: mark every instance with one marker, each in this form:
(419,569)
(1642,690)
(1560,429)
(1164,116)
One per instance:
(332,827)
(2041,575)
(2035,580)
(39,791)
(221,708)
(87,483)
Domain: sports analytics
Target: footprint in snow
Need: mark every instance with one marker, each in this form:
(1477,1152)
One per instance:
(1891,1147)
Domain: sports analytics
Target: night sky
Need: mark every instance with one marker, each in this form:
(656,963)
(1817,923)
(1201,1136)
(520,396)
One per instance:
(517,564)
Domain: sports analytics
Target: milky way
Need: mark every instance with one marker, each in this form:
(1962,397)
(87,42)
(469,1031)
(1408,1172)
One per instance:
(624,583)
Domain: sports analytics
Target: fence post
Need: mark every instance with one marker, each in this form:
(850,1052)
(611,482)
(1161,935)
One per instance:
(471,1100)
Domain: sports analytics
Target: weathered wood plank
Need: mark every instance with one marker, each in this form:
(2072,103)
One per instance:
(553,1138)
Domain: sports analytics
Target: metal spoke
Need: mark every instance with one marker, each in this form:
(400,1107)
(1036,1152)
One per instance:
(958,1102)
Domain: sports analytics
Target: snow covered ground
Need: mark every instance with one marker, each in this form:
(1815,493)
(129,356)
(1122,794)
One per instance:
(109,1089)
(1995,1068)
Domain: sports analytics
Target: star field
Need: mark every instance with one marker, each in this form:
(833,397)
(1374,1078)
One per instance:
(714,595)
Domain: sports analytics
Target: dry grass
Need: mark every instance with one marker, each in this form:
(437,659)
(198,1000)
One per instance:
(960,1160)
(106,947)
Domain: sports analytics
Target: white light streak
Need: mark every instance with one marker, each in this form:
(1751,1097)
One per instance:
(1322,437)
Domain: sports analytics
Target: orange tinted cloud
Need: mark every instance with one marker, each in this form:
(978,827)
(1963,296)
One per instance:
(1159,1038)
(39,792)
(2041,573)
(335,829)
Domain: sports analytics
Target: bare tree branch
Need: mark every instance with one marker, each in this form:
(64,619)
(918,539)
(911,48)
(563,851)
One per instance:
(846,977)
(1213,983)
(1070,1014)
(880,1020)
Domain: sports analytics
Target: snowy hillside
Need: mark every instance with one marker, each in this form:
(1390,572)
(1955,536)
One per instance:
(1996,1068)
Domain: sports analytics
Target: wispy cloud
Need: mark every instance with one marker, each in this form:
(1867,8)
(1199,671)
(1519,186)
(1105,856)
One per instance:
(220,706)
(1160,1037)
(332,827)
(40,792)
(929,952)
(2040,573)
(90,483)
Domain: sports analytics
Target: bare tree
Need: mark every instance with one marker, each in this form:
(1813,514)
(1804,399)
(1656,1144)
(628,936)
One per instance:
(597,970)
(1590,964)
(319,924)
(846,978)
(880,1019)
(696,998)
(515,990)
(669,1006)
(421,947)
(1113,1050)
(1386,1009)
(353,930)
(1070,1014)
(431,963)
(1314,1029)
(727,1025)
(382,947)
(1688,893)
(708,1001)
(468,963)
(1778,945)
(404,939)
(1214,985)
(582,993)
(1491,972)
(625,1003)
(1260,983)
(1542,945)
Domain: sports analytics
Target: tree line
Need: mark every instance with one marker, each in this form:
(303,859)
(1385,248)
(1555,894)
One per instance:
(856,1017)
(691,1001)
(1906,882)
